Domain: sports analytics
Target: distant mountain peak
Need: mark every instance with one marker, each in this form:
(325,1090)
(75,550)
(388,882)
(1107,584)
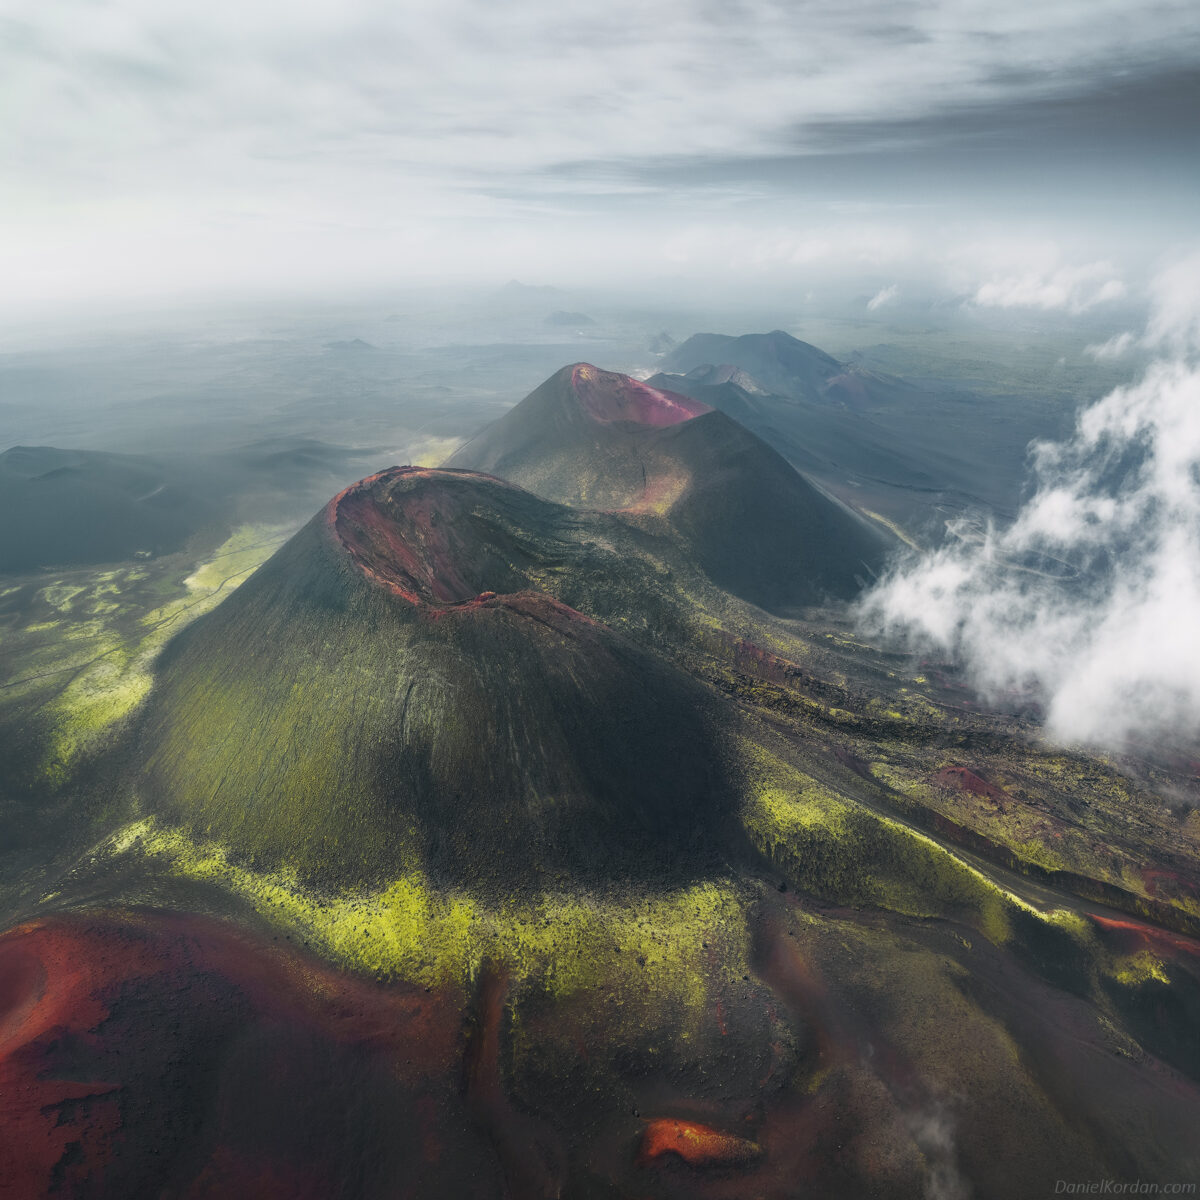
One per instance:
(608,396)
(598,439)
(783,365)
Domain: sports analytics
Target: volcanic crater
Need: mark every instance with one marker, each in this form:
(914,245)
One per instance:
(423,535)
(409,675)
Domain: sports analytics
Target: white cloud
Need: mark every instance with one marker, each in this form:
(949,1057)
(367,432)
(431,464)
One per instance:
(1091,599)
(174,138)
(1116,347)
(883,296)
(1074,289)
(1175,324)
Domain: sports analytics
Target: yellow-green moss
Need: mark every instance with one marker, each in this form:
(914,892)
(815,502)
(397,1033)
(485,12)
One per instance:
(834,847)
(1136,969)
(665,945)
(116,677)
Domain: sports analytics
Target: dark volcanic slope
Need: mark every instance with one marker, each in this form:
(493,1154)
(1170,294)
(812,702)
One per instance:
(79,507)
(71,506)
(825,441)
(579,438)
(394,684)
(598,439)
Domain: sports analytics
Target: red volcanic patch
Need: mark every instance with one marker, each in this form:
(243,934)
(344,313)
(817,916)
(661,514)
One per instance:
(154,1054)
(405,528)
(1165,883)
(420,533)
(963,780)
(698,1145)
(1132,935)
(607,396)
(400,541)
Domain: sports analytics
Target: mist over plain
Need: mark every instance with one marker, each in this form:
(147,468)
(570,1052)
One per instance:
(1090,599)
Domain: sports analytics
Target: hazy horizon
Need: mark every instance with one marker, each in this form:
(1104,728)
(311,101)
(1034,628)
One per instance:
(1039,157)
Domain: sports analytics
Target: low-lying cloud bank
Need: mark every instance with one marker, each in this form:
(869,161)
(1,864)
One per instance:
(1090,601)
(1074,289)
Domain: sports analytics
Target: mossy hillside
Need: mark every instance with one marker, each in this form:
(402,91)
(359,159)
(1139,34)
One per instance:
(615,1002)
(1066,817)
(1062,814)
(1025,1078)
(79,651)
(1158,1000)
(412,929)
(319,721)
(643,970)
(831,847)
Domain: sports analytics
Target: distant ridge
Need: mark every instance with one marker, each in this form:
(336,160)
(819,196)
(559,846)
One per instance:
(777,361)
(781,364)
(81,507)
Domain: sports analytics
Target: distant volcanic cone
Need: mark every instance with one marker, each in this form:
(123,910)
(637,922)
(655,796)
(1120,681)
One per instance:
(397,686)
(601,440)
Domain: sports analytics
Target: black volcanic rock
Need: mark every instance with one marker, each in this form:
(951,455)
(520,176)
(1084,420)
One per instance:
(396,685)
(758,529)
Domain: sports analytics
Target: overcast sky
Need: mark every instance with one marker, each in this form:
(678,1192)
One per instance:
(1034,153)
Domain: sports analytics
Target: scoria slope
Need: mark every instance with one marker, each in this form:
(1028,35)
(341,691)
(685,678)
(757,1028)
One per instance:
(758,529)
(397,685)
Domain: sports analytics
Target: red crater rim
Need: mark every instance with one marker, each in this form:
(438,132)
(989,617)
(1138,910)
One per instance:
(417,531)
(607,397)
(406,528)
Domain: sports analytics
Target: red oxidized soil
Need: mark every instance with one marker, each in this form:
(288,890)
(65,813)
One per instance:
(1160,881)
(698,1145)
(963,780)
(607,396)
(408,540)
(1132,935)
(125,1042)
(403,542)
